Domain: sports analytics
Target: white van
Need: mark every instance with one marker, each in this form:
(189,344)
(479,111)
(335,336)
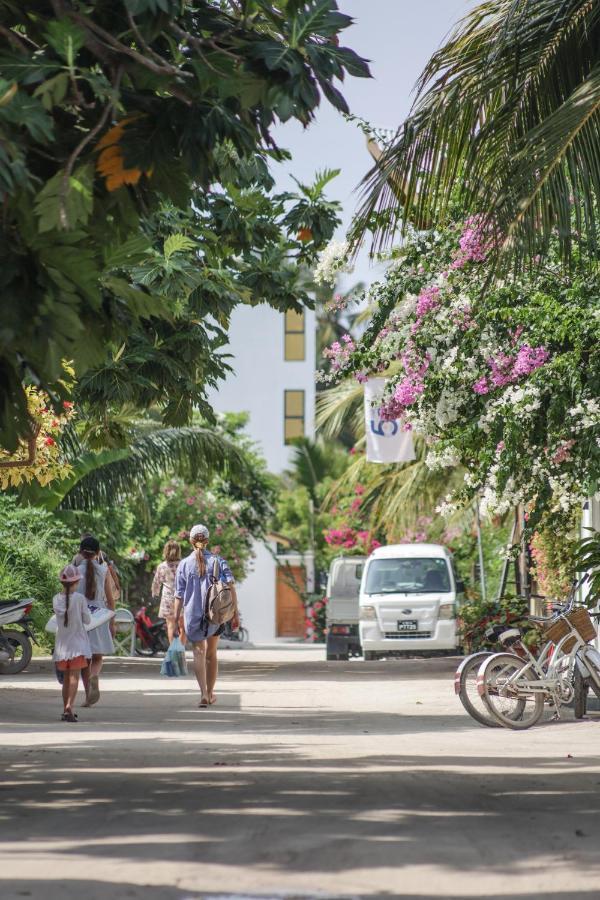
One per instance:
(408,601)
(343,589)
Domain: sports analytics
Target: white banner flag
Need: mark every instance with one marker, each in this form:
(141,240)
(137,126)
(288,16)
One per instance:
(386,441)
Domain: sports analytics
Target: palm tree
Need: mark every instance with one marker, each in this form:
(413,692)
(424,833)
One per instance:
(101,478)
(507,123)
(395,495)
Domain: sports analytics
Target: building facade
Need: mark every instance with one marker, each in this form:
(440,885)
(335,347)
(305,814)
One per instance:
(273,381)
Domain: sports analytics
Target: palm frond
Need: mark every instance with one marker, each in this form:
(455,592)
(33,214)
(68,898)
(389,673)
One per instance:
(506,122)
(396,495)
(103,478)
(339,406)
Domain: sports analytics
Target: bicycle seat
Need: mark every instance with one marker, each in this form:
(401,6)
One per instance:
(541,620)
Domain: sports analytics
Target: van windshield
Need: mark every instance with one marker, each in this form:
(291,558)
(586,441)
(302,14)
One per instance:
(412,575)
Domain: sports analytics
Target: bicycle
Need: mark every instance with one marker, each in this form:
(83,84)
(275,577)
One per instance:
(465,679)
(514,688)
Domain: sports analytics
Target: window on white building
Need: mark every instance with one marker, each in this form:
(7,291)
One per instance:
(294,336)
(293,410)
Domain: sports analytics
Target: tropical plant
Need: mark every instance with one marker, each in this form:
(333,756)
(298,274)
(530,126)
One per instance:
(39,458)
(34,546)
(134,150)
(506,120)
(501,378)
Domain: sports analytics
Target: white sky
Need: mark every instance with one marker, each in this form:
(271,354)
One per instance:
(398,37)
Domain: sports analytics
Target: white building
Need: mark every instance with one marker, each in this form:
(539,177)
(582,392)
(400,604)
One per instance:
(274,382)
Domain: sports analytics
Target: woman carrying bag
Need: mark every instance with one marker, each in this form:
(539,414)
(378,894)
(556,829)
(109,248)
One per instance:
(193,581)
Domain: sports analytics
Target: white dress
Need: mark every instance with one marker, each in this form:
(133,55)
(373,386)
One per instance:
(72,640)
(100,638)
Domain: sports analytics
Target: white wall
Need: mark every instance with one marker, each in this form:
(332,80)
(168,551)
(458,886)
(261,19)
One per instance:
(256,596)
(261,375)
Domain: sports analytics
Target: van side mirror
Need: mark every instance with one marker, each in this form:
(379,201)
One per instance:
(460,586)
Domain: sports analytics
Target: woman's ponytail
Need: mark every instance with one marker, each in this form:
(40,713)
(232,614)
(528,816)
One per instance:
(199,547)
(90,575)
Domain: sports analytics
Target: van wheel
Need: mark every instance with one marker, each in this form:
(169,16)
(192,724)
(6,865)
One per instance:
(369,655)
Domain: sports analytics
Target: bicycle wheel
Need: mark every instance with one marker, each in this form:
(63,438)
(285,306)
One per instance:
(465,685)
(514,705)
(580,694)
(592,661)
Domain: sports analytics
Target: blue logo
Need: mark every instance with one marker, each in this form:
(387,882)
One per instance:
(380,428)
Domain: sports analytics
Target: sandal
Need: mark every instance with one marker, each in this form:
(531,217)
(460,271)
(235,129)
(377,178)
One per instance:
(69,717)
(213,699)
(203,703)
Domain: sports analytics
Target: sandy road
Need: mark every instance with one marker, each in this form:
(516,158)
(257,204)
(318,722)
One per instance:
(307,779)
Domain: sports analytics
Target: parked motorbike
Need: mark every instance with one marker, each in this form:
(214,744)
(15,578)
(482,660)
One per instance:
(150,637)
(15,644)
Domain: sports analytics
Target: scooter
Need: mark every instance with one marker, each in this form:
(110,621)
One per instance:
(150,637)
(15,645)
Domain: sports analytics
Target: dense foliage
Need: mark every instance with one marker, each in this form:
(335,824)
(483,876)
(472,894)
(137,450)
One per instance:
(506,116)
(134,152)
(34,546)
(502,378)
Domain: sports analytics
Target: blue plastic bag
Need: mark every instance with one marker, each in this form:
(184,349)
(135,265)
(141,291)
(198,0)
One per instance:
(174,665)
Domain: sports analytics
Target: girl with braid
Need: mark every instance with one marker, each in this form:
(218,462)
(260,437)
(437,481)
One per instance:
(72,651)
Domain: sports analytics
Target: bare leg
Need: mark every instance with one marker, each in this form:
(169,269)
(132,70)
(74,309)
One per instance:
(66,689)
(170,620)
(73,686)
(200,667)
(96,666)
(93,669)
(85,677)
(212,666)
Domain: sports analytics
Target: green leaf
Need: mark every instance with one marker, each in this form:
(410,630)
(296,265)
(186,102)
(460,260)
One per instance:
(28,112)
(52,92)
(320,17)
(127,253)
(176,243)
(78,200)
(66,38)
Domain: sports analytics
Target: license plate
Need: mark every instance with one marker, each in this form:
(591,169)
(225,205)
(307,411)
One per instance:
(408,625)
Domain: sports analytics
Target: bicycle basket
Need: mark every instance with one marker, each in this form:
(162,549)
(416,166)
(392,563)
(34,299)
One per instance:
(581,622)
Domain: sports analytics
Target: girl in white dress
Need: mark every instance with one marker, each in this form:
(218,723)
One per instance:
(72,651)
(96,584)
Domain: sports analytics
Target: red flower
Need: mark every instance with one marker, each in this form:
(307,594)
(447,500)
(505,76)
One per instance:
(49,442)
(68,404)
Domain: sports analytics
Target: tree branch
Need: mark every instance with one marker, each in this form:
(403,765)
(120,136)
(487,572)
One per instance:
(31,453)
(64,187)
(166,69)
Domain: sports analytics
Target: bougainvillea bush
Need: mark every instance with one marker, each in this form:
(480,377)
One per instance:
(315,623)
(502,377)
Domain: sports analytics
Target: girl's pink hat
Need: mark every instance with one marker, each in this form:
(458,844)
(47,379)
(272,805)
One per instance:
(69,575)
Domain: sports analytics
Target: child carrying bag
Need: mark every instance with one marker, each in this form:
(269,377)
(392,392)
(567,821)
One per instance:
(174,665)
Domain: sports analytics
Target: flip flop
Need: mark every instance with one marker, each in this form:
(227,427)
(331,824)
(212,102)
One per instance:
(213,699)
(69,717)
(203,703)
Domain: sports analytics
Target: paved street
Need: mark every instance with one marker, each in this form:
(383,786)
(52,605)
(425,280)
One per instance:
(307,779)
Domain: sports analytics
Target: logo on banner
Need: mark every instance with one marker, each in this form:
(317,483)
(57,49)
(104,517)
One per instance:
(380,428)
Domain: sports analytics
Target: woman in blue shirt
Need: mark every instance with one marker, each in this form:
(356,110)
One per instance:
(192,581)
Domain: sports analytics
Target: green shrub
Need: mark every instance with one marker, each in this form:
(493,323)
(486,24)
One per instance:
(34,546)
